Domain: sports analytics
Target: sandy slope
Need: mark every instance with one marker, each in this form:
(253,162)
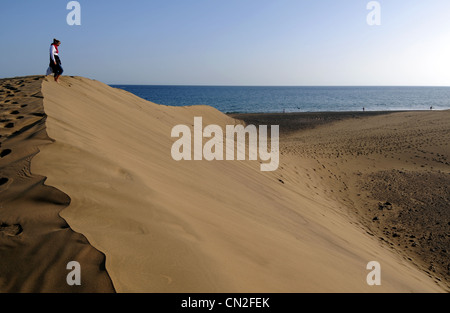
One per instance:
(168,226)
(36,244)
(393,173)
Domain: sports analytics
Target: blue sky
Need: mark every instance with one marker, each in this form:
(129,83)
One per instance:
(232,42)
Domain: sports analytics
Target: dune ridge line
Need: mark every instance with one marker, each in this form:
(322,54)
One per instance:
(36,243)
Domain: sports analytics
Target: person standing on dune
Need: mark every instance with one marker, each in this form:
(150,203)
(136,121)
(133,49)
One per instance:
(55,62)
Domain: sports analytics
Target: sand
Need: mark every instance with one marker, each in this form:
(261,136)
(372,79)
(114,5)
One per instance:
(35,242)
(392,172)
(221,226)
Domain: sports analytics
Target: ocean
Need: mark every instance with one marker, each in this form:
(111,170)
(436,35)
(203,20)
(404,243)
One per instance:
(242,99)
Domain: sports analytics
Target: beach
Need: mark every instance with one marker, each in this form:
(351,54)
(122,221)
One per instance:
(390,169)
(87,176)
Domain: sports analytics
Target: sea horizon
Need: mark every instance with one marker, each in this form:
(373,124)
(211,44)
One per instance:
(218,85)
(290,99)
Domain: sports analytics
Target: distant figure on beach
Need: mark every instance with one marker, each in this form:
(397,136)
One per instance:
(55,62)
(431,108)
(364,109)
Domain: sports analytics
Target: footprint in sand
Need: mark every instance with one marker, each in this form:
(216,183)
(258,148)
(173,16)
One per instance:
(3,181)
(9,125)
(11,88)
(5,153)
(15,112)
(24,105)
(11,230)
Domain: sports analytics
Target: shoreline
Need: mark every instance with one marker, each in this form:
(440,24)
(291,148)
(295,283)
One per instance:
(296,121)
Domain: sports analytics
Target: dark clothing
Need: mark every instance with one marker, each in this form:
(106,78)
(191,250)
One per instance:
(56,68)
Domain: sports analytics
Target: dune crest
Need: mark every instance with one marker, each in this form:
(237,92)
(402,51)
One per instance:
(36,244)
(196,226)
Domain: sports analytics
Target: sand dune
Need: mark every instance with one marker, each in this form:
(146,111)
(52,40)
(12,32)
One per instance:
(392,172)
(199,226)
(35,242)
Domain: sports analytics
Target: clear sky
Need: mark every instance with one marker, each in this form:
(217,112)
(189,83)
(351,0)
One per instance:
(232,42)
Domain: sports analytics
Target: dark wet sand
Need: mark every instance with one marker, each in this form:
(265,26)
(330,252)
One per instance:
(292,122)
